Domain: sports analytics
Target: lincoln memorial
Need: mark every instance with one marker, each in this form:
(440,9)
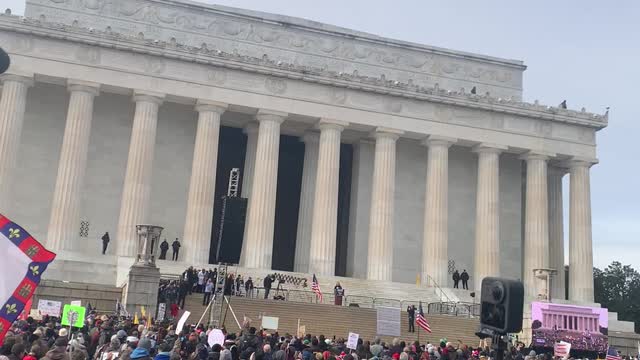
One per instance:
(360,156)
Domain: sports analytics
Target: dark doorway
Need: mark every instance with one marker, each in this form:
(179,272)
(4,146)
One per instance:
(231,152)
(344,197)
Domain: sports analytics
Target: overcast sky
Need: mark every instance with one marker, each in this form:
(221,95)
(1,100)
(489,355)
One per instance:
(585,51)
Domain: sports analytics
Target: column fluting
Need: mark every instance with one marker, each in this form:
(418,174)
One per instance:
(136,191)
(251,129)
(64,222)
(556,231)
(258,247)
(380,250)
(12,108)
(307,192)
(487,247)
(436,217)
(580,242)
(197,225)
(536,236)
(322,258)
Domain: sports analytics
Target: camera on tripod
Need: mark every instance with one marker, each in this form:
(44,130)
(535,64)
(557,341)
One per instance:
(501,305)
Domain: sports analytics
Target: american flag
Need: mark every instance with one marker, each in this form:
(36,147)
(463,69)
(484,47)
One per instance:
(612,354)
(421,321)
(315,287)
(561,349)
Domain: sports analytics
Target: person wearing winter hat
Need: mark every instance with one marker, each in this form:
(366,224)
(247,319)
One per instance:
(17,352)
(63,332)
(59,351)
(142,351)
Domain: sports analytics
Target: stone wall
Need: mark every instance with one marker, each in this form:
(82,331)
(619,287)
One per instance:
(101,297)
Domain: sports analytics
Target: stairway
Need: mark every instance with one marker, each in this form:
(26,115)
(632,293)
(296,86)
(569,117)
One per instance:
(359,290)
(333,320)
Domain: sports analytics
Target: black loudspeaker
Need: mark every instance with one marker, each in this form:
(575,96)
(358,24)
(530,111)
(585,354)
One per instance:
(502,302)
(234,210)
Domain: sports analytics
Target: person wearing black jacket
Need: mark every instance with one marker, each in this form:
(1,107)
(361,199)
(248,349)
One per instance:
(411,312)
(164,247)
(176,249)
(465,279)
(268,280)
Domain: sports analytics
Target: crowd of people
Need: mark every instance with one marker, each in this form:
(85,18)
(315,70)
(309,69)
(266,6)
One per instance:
(118,338)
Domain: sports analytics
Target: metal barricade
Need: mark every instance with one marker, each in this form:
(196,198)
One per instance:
(384,302)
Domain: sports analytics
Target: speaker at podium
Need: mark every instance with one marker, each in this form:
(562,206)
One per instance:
(234,210)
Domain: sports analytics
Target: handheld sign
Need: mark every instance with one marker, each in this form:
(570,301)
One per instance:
(73,315)
(49,307)
(183,320)
(215,337)
(76,303)
(352,343)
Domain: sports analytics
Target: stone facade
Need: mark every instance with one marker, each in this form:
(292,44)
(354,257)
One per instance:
(437,134)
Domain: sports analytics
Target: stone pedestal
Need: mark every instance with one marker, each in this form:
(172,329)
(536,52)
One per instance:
(142,289)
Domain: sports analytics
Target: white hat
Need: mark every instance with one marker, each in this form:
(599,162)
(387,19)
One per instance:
(63,332)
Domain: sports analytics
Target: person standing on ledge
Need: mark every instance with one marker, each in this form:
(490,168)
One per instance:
(338,293)
(105,242)
(176,249)
(465,279)
(164,247)
(411,312)
(456,279)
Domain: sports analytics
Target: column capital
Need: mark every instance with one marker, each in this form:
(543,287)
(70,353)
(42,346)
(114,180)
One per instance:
(310,137)
(386,133)
(325,123)
(577,162)
(271,115)
(148,96)
(438,140)
(209,105)
(24,78)
(557,169)
(251,128)
(489,148)
(537,155)
(83,86)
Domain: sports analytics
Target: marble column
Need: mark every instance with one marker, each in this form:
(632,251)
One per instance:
(487,246)
(307,192)
(556,231)
(258,247)
(197,225)
(580,246)
(251,129)
(322,259)
(380,249)
(136,191)
(435,259)
(12,107)
(536,228)
(64,223)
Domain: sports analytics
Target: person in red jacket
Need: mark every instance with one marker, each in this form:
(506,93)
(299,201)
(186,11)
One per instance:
(174,310)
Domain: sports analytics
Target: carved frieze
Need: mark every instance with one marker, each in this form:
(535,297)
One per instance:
(194,25)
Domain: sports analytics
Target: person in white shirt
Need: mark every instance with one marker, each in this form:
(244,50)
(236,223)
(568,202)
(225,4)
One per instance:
(200,280)
(208,289)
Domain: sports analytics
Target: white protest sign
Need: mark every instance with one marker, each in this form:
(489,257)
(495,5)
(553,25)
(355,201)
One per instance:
(49,307)
(352,343)
(216,337)
(270,322)
(76,302)
(388,321)
(162,309)
(183,320)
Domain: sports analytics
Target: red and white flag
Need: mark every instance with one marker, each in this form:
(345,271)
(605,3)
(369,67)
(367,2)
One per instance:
(315,287)
(23,262)
(421,320)
(561,349)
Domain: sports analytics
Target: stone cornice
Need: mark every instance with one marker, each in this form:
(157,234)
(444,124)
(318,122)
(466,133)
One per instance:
(265,65)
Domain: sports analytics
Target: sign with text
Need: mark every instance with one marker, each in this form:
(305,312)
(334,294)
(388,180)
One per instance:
(73,315)
(76,302)
(352,342)
(388,321)
(49,307)
(162,310)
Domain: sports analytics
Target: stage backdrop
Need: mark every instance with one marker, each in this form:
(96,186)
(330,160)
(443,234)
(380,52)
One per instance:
(586,328)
